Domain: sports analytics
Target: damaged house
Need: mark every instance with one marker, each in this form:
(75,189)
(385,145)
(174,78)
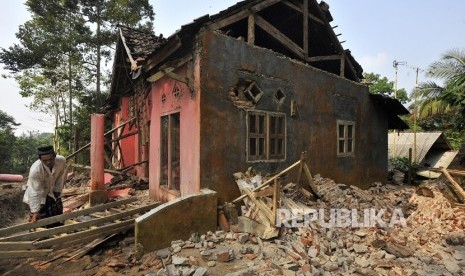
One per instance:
(252,86)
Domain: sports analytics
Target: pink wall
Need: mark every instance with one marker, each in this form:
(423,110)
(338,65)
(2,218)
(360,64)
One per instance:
(129,144)
(188,106)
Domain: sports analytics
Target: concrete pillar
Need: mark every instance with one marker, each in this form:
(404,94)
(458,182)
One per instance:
(11,177)
(98,193)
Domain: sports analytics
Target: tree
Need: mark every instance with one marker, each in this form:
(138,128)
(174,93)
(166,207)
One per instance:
(104,16)
(7,140)
(62,48)
(381,85)
(446,101)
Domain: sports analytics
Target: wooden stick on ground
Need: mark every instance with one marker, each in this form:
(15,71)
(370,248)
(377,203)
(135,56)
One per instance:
(456,185)
(42,222)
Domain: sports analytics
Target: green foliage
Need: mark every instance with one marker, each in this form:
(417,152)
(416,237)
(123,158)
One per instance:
(18,153)
(57,60)
(381,85)
(25,150)
(437,101)
(7,140)
(402,164)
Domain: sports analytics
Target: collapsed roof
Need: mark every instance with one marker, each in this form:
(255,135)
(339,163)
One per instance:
(278,25)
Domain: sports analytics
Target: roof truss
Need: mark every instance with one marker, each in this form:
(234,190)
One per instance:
(299,49)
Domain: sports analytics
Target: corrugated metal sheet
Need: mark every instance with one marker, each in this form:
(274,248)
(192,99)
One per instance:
(400,143)
(442,159)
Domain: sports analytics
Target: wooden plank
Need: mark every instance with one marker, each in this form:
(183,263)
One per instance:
(79,166)
(266,211)
(343,65)
(303,157)
(351,67)
(251,30)
(163,53)
(24,254)
(133,165)
(310,180)
(456,185)
(76,201)
(79,225)
(323,58)
(305,28)
(276,199)
(241,15)
(278,35)
(174,76)
(107,133)
(121,137)
(299,7)
(162,72)
(77,237)
(269,181)
(451,172)
(46,221)
(88,247)
(8,246)
(229,20)
(265,192)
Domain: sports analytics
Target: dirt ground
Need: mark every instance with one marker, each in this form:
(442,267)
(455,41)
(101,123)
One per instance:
(12,208)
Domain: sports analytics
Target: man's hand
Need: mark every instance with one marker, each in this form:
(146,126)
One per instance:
(33,217)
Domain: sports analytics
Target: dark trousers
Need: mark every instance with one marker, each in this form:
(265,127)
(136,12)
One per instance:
(52,208)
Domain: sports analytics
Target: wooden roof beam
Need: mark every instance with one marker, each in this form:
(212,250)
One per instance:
(168,70)
(164,52)
(242,14)
(274,32)
(323,58)
(300,8)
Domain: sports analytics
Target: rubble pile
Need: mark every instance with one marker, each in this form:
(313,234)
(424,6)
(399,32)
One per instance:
(430,242)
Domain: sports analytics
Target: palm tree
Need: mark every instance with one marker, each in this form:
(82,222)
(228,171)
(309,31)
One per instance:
(447,99)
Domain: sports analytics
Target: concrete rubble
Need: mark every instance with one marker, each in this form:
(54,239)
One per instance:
(432,241)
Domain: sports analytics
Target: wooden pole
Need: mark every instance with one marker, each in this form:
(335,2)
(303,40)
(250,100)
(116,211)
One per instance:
(276,199)
(88,145)
(409,175)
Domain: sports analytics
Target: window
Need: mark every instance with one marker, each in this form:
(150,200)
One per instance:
(345,138)
(265,136)
(170,152)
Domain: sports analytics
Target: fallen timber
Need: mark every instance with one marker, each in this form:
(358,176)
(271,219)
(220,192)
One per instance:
(19,242)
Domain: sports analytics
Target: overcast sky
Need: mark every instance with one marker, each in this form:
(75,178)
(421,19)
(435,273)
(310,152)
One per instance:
(377,32)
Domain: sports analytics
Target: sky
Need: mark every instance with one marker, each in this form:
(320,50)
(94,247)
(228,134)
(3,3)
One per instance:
(412,32)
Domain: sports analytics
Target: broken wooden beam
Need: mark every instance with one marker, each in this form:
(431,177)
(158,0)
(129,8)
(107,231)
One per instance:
(451,172)
(268,181)
(89,167)
(46,221)
(24,254)
(18,245)
(311,184)
(276,200)
(96,232)
(456,185)
(79,225)
(107,133)
(265,210)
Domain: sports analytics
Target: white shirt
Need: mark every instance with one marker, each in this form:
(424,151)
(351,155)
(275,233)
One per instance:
(43,182)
